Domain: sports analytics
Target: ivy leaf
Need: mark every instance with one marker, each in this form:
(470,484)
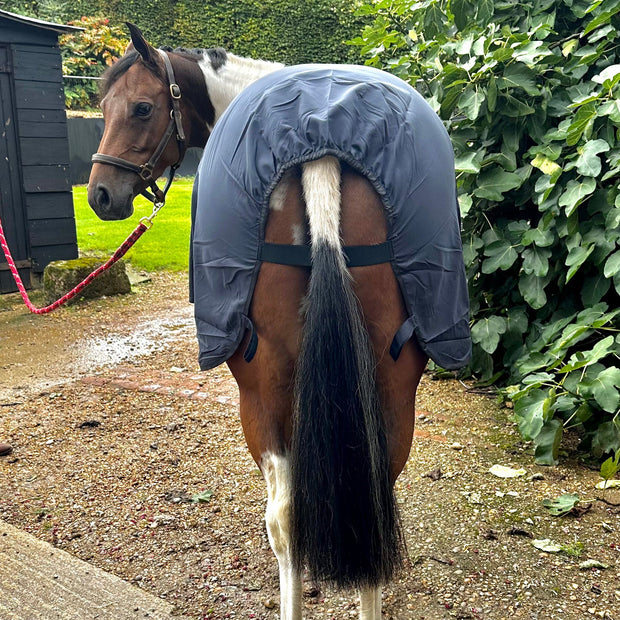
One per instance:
(516,108)
(519,76)
(485,11)
(461,10)
(610,467)
(594,289)
(547,166)
(487,331)
(605,389)
(588,162)
(536,260)
(575,193)
(582,123)
(493,183)
(471,102)
(531,51)
(532,288)
(517,321)
(577,257)
(610,109)
(547,443)
(602,18)
(492,94)
(612,265)
(468,162)
(612,219)
(542,238)
(529,411)
(608,77)
(606,438)
(501,255)
(434,19)
(465,204)
(583,359)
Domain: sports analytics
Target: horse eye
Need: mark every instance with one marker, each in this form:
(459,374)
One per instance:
(143,109)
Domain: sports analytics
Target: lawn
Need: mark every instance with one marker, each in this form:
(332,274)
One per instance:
(164,247)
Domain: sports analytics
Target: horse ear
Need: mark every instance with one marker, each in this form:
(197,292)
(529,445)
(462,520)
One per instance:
(140,44)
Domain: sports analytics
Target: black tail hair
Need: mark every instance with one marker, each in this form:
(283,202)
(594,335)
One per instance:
(345,525)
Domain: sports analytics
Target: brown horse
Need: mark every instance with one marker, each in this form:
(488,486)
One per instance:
(327,413)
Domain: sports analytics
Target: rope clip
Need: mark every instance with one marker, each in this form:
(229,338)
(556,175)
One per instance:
(148,221)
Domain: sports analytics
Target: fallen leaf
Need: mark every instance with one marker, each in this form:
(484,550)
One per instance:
(204,496)
(561,505)
(592,564)
(506,472)
(608,484)
(547,545)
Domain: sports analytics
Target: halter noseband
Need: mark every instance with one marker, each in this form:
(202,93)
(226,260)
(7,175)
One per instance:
(145,171)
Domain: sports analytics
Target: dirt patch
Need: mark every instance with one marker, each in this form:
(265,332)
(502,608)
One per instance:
(133,460)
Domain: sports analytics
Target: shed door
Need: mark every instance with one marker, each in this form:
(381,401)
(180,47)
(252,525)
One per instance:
(11,201)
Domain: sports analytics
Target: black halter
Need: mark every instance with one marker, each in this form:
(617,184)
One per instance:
(145,171)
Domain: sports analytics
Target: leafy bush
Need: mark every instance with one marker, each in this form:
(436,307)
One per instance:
(530,93)
(88,53)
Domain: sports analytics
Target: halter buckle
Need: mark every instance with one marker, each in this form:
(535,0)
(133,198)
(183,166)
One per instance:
(175,91)
(146,172)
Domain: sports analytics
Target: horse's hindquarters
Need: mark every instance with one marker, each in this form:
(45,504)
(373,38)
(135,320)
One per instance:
(363,222)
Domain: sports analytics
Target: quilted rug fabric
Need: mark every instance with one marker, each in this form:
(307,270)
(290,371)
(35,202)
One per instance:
(380,126)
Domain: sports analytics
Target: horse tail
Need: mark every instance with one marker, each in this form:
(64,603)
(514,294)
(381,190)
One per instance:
(344,521)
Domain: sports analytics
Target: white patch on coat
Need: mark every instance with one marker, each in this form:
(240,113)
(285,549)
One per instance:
(277,472)
(299,234)
(278,195)
(320,180)
(232,77)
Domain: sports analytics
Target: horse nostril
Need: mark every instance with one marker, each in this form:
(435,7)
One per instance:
(102,197)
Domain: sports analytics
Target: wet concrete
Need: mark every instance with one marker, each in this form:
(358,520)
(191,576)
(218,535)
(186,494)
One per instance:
(39,352)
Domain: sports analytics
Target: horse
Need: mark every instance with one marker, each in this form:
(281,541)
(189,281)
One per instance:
(327,411)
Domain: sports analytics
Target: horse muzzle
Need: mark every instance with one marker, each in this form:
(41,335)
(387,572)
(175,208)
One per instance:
(109,205)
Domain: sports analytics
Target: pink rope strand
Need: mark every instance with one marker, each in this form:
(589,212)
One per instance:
(122,250)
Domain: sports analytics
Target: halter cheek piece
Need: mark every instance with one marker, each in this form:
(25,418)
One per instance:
(145,171)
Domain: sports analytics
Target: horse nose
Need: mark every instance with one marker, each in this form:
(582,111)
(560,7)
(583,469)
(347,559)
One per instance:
(108,204)
(102,197)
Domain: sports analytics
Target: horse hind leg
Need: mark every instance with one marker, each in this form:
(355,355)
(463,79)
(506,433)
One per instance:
(370,604)
(276,470)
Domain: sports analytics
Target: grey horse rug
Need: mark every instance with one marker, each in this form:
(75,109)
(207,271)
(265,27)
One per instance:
(384,129)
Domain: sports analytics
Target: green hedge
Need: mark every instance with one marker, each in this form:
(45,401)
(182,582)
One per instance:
(290,31)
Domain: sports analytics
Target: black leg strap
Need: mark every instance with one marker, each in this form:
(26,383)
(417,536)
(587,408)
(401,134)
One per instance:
(403,335)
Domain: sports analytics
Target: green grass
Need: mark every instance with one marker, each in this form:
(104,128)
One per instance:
(164,247)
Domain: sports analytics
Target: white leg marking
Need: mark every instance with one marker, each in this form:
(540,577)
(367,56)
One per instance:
(320,180)
(370,604)
(276,470)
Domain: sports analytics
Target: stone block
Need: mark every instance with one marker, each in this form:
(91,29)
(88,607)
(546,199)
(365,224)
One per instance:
(62,276)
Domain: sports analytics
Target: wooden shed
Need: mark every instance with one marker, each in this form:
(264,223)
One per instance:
(36,204)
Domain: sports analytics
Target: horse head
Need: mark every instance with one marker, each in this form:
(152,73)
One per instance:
(150,119)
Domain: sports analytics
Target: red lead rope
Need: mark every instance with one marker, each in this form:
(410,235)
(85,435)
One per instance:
(122,250)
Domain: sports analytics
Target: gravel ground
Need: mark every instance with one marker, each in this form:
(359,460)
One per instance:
(115,432)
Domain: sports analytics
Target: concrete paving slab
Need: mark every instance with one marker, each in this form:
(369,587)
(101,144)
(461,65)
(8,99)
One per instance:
(39,581)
